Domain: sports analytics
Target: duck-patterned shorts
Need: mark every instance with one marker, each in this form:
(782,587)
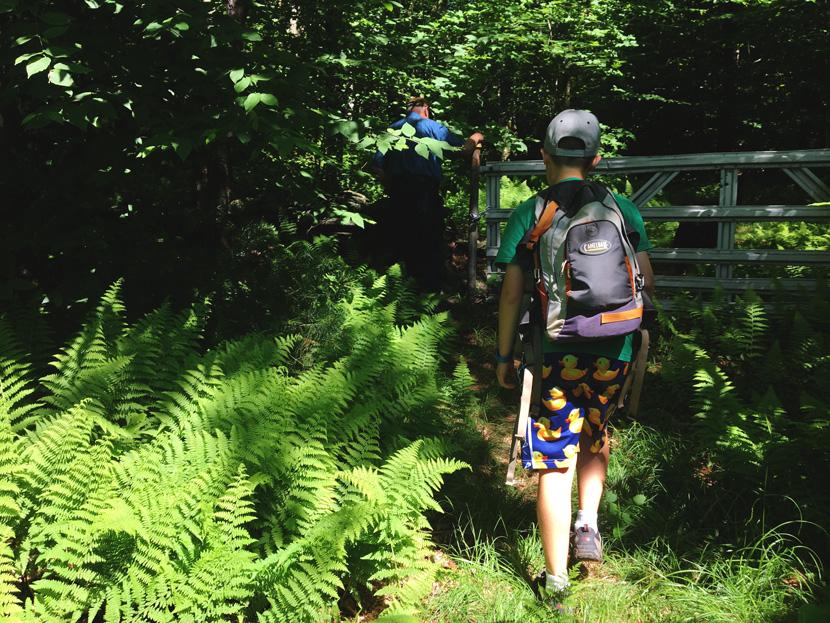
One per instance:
(579,394)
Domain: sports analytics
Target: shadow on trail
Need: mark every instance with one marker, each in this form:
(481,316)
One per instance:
(479,507)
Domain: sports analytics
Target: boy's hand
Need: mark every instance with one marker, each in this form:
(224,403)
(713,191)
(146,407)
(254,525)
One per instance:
(504,372)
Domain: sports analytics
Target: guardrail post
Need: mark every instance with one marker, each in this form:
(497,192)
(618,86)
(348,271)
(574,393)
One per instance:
(726,230)
(475,217)
(493,202)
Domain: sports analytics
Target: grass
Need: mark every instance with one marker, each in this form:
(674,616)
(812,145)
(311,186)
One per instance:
(685,541)
(763,582)
(656,569)
(485,586)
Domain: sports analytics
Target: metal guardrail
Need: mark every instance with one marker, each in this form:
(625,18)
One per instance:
(796,164)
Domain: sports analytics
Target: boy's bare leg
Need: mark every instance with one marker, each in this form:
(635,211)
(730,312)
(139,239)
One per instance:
(591,470)
(553,509)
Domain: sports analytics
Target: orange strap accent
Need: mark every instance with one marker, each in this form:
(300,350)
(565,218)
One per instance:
(567,278)
(545,221)
(631,277)
(629,314)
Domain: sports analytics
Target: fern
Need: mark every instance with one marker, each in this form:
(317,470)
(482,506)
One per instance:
(17,385)
(758,396)
(11,608)
(144,480)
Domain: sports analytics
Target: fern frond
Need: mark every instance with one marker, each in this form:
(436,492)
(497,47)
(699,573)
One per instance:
(90,365)
(17,387)
(11,608)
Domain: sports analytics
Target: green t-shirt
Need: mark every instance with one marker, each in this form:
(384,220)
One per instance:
(522,219)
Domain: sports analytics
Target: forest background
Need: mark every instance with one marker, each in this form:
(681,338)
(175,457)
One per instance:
(197,150)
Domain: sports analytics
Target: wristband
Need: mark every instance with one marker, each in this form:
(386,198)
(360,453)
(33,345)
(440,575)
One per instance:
(503,359)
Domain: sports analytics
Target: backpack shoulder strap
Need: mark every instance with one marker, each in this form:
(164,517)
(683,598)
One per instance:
(546,207)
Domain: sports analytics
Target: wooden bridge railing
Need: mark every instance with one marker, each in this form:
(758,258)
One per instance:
(727,214)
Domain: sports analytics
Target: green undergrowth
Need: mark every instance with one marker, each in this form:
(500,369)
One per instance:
(712,510)
(272,478)
(768,577)
(758,583)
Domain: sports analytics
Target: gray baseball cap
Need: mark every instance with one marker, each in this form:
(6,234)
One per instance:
(573,123)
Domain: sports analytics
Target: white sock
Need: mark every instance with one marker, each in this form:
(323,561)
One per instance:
(556,582)
(586,517)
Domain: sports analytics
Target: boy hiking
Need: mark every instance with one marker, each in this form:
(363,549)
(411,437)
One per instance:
(584,250)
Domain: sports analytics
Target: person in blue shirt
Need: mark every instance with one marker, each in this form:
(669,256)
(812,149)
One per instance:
(415,216)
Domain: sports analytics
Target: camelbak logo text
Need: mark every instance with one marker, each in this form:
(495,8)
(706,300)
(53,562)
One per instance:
(595,247)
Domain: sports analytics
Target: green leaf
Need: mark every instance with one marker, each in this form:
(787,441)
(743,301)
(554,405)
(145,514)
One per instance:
(384,141)
(349,129)
(400,144)
(60,77)
(54,31)
(181,26)
(183,147)
(251,101)
(236,74)
(347,216)
(437,147)
(35,67)
(7,6)
(268,99)
(407,130)
(25,57)
(252,36)
(639,499)
(422,150)
(55,18)
(610,496)
(365,142)
(242,85)
(77,68)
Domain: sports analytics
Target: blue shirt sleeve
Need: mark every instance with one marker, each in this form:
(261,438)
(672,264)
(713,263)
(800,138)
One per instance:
(440,132)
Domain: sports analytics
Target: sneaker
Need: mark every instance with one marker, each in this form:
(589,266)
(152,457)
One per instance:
(555,598)
(539,584)
(587,544)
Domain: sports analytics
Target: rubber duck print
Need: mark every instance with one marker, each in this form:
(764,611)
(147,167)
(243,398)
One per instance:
(596,446)
(538,460)
(569,371)
(586,426)
(563,463)
(545,433)
(546,370)
(570,451)
(556,401)
(608,394)
(603,373)
(583,388)
(575,421)
(594,417)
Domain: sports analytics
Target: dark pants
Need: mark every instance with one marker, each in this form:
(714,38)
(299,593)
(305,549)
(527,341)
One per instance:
(415,229)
